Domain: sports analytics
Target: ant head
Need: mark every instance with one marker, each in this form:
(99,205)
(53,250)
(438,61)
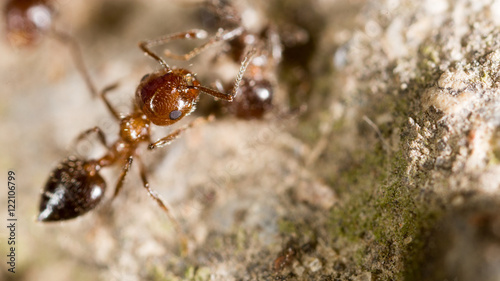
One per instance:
(74,188)
(26,20)
(166,96)
(253,99)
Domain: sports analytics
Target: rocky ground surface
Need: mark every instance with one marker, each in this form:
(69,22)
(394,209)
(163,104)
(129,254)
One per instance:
(387,166)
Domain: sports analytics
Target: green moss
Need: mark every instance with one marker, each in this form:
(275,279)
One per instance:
(159,273)
(197,274)
(203,273)
(494,155)
(287,227)
(383,214)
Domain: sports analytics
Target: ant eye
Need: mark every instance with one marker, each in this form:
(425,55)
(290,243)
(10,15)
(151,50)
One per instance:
(144,77)
(175,114)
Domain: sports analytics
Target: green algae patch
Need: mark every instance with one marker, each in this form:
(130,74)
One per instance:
(384,222)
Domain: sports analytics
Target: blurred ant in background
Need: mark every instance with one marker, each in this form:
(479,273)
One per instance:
(259,85)
(255,94)
(28,21)
(162,98)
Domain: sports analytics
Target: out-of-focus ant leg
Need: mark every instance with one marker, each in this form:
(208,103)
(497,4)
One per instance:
(219,37)
(222,35)
(274,46)
(124,173)
(98,131)
(103,95)
(173,135)
(146,45)
(76,54)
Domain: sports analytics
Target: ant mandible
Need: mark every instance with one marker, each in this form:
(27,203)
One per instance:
(163,98)
(27,21)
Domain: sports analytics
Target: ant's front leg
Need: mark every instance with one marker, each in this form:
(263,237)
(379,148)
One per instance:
(173,135)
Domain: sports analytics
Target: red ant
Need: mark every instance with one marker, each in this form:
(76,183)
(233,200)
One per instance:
(28,20)
(256,91)
(163,98)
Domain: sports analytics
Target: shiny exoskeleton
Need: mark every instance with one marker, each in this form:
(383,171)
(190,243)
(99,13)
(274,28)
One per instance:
(162,98)
(86,185)
(253,100)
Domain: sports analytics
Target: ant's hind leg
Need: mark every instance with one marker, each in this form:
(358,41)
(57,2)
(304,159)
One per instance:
(154,194)
(76,54)
(162,205)
(124,173)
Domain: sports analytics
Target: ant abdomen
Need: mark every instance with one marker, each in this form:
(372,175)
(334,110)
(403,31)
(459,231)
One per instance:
(73,188)
(253,99)
(167,96)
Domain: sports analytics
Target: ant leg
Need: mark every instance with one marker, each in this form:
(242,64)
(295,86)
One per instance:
(190,34)
(103,94)
(170,137)
(97,130)
(219,37)
(146,45)
(229,97)
(76,54)
(121,179)
(162,205)
(155,195)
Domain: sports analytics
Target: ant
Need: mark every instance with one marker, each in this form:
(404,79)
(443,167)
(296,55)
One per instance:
(28,20)
(256,91)
(162,98)
(255,94)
